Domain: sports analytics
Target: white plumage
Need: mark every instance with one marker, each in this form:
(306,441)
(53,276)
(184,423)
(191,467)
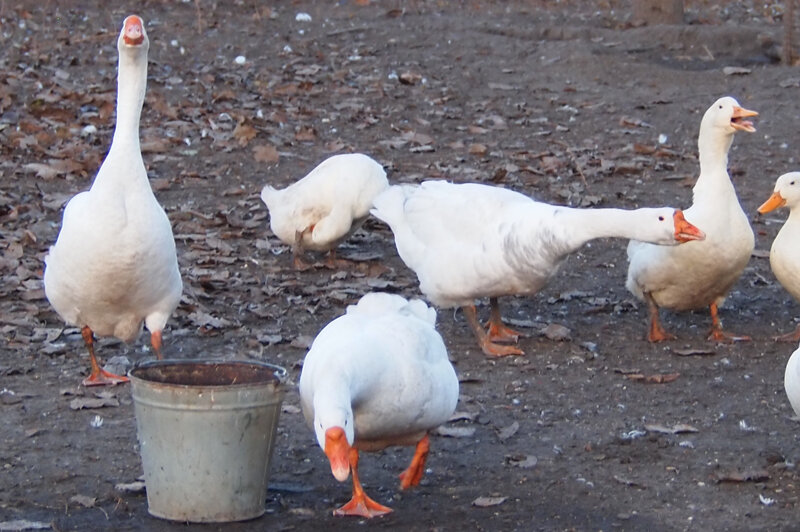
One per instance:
(784,255)
(700,274)
(467,241)
(377,376)
(114,264)
(325,207)
(791,381)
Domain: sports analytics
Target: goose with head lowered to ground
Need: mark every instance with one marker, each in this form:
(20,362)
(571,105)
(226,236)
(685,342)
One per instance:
(469,241)
(375,377)
(326,206)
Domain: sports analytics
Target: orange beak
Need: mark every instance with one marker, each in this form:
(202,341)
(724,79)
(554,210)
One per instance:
(684,231)
(338,450)
(133,31)
(738,122)
(774,201)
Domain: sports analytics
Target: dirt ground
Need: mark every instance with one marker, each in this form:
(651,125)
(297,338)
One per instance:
(567,101)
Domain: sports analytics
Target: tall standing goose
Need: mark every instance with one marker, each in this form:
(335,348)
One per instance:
(468,241)
(375,377)
(784,255)
(114,264)
(325,207)
(700,274)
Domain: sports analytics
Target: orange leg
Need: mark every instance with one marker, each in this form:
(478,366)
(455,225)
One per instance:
(793,336)
(99,376)
(155,341)
(498,332)
(412,475)
(657,332)
(360,504)
(297,251)
(489,348)
(717,334)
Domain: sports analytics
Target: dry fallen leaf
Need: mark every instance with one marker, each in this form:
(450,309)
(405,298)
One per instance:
(84,500)
(750,475)
(485,502)
(658,378)
(244,134)
(92,402)
(680,428)
(556,332)
(455,432)
(506,432)
(265,153)
(524,461)
(694,352)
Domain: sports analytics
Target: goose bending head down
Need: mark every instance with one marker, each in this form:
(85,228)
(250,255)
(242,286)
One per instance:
(375,377)
(326,206)
(700,274)
(784,255)
(469,241)
(114,266)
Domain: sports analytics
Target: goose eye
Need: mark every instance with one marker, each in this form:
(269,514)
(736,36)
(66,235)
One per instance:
(720,106)
(660,218)
(792,183)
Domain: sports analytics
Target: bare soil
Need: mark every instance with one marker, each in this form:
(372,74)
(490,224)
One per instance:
(566,101)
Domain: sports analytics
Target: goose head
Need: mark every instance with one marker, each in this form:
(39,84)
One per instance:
(133,35)
(663,226)
(786,192)
(335,436)
(726,114)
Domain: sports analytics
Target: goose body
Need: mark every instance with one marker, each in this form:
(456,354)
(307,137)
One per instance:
(784,255)
(377,376)
(113,266)
(326,206)
(700,274)
(468,241)
(791,381)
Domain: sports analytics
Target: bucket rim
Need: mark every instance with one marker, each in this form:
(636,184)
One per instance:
(278,372)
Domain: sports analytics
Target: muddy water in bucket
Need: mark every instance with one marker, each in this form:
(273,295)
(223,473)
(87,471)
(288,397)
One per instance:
(206,431)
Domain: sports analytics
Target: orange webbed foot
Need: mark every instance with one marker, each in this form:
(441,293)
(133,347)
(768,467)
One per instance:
(502,334)
(659,335)
(363,506)
(104,378)
(496,350)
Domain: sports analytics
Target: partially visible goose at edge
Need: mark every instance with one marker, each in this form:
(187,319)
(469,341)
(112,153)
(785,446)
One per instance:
(114,264)
(469,241)
(784,255)
(700,274)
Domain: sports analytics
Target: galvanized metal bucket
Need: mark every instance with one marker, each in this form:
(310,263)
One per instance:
(206,431)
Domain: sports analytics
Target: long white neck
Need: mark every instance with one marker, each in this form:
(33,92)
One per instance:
(583,225)
(713,150)
(131,86)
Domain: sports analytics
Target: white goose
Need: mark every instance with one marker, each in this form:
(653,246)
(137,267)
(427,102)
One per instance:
(375,377)
(467,241)
(325,207)
(784,256)
(114,265)
(700,274)
(791,381)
